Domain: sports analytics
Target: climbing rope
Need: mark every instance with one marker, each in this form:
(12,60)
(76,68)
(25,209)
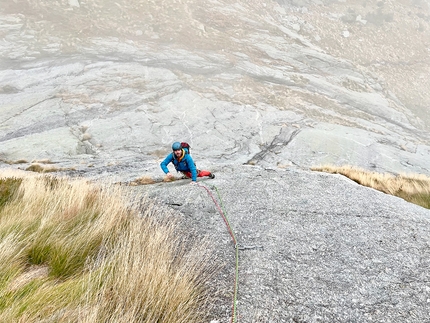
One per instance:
(221,210)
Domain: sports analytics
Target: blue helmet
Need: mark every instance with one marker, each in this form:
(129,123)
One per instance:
(176,146)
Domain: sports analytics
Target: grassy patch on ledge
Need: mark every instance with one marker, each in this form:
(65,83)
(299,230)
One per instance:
(71,251)
(414,188)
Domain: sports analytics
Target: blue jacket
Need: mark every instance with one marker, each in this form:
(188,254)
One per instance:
(186,164)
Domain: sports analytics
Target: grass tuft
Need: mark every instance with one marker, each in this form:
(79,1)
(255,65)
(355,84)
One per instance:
(8,187)
(144,180)
(19,161)
(41,161)
(41,168)
(414,188)
(74,251)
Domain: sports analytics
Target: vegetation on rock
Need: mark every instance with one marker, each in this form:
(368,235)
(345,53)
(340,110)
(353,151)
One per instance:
(414,188)
(74,251)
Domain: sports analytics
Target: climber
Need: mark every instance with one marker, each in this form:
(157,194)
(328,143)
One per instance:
(183,162)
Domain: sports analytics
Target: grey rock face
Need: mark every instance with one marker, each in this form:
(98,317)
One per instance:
(250,71)
(262,91)
(313,247)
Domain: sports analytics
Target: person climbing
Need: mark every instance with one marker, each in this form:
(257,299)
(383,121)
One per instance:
(183,162)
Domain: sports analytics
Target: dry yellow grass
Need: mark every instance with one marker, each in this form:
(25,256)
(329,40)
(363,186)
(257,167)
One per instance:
(144,180)
(42,161)
(414,188)
(19,161)
(46,168)
(39,168)
(74,251)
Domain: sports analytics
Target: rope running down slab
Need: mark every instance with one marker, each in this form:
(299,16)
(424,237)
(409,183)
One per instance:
(224,216)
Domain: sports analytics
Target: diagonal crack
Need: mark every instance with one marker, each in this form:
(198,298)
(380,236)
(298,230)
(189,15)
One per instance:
(26,109)
(285,136)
